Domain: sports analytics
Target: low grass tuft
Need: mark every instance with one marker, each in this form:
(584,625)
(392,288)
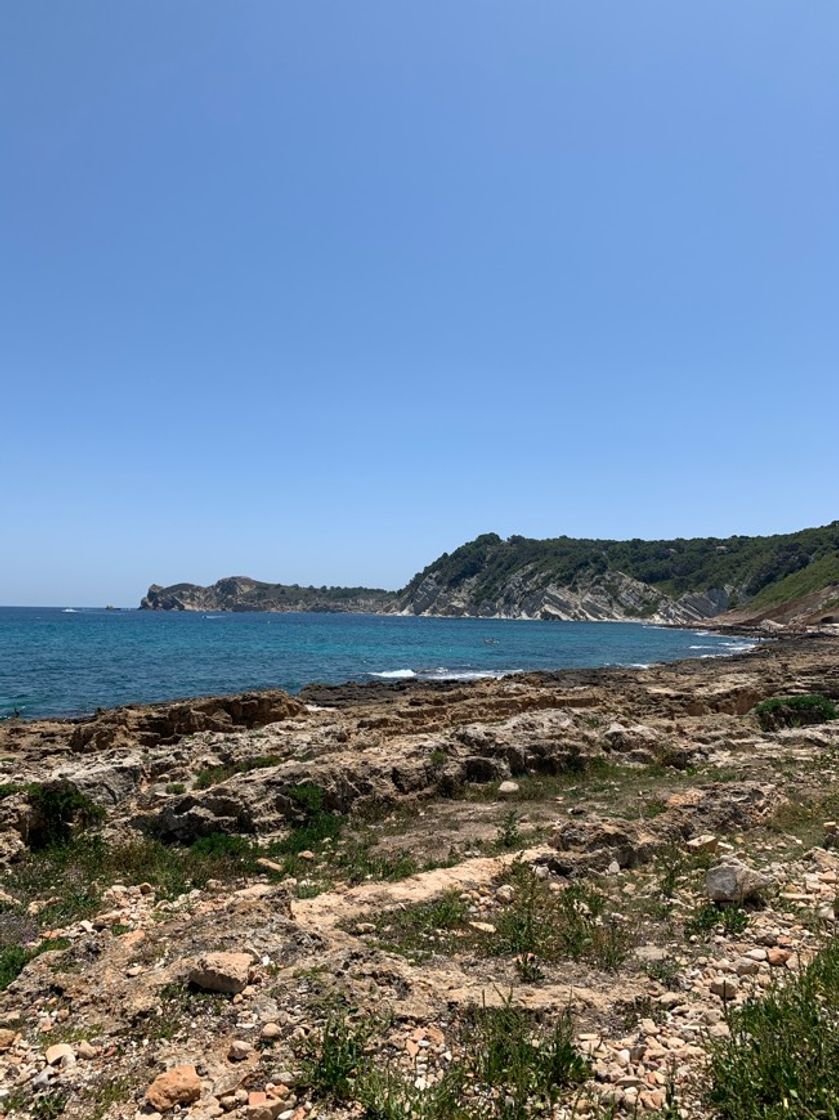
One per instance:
(539,925)
(386,1094)
(546,925)
(511,1051)
(707,918)
(514,1066)
(212,775)
(425,929)
(330,1065)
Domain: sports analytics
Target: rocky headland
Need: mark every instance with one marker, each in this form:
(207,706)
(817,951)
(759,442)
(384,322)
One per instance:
(238,593)
(549,894)
(785,580)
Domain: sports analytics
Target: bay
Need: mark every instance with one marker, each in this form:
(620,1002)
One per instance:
(64,661)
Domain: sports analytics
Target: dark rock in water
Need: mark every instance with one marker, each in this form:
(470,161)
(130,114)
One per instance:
(371,692)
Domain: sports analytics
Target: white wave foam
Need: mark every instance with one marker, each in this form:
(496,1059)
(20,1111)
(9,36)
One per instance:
(69,610)
(443,673)
(465,674)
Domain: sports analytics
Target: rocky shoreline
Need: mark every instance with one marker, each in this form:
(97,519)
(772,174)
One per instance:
(198,896)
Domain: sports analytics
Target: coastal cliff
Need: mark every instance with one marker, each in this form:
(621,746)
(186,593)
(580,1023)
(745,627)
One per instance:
(591,598)
(788,578)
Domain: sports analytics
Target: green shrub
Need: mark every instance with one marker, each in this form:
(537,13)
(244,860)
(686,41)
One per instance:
(57,808)
(781,1059)
(74,874)
(309,797)
(794,711)
(12,960)
(50,1106)
(316,827)
(514,1066)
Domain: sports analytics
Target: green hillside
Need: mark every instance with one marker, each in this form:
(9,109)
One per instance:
(762,570)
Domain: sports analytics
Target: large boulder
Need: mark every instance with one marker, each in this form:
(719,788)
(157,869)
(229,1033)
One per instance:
(110,780)
(221,972)
(733,881)
(637,737)
(180,1085)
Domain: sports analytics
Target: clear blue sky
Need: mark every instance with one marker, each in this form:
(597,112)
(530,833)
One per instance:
(313,291)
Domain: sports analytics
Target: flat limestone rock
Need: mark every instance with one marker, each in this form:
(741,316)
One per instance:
(221,972)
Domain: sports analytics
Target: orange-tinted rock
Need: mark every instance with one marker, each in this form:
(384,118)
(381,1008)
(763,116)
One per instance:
(179,1085)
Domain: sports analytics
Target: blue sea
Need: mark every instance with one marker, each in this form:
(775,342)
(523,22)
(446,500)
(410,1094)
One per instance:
(64,661)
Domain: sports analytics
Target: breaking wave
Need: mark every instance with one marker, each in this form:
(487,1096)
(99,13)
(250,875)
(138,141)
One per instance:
(444,674)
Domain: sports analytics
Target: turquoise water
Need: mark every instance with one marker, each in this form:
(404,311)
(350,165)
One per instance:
(62,662)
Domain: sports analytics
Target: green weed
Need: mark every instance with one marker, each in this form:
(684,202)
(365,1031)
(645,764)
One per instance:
(732,920)
(781,1058)
(511,1051)
(213,775)
(557,925)
(509,835)
(331,1065)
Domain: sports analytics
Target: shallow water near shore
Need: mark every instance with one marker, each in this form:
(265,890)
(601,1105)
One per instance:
(63,661)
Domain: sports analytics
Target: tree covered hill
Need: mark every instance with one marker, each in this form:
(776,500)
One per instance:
(681,580)
(753,571)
